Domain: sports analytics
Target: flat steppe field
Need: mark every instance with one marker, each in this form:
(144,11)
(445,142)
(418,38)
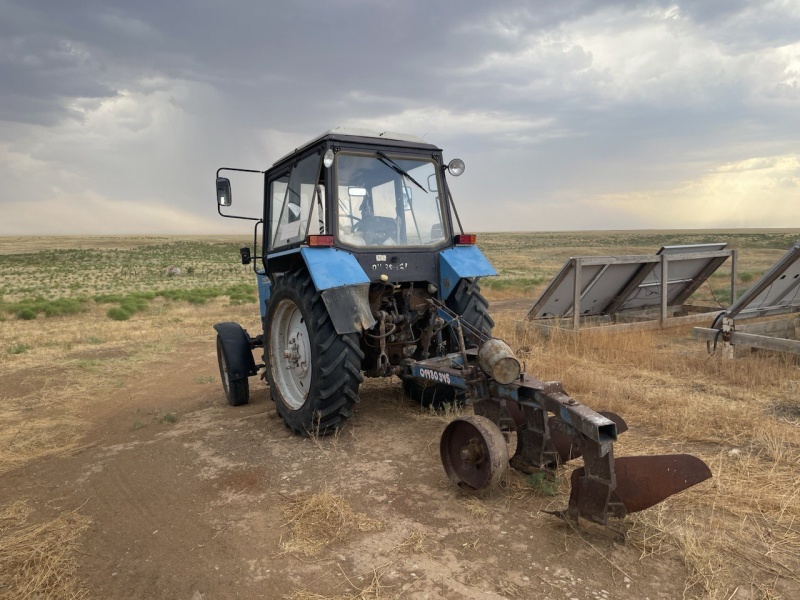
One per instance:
(125,474)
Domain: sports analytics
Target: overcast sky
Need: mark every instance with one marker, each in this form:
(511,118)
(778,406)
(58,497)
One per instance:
(569,115)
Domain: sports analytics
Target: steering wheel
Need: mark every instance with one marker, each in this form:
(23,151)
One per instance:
(376,230)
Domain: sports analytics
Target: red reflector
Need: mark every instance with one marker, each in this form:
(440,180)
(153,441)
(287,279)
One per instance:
(466,238)
(320,240)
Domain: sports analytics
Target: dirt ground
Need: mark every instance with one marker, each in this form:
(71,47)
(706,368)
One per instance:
(196,508)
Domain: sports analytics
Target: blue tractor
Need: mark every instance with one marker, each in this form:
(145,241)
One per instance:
(364,269)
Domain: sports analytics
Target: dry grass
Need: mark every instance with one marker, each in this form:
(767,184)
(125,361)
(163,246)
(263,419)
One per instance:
(371,585)
(318,520)
(374,589)
(72,367)
(742,529)
(37,560)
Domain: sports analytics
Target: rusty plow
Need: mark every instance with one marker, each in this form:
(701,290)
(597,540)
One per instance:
(551,429)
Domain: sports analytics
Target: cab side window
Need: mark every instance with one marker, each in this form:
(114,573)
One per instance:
(290,213)
(277,195)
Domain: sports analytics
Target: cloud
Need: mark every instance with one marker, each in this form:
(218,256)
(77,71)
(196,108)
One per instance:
(91,214)
(565,112)
(722,198)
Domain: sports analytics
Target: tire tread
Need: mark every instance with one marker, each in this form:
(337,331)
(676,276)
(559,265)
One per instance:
(336,369)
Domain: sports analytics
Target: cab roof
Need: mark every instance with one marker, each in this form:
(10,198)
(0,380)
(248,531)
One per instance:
(355,134)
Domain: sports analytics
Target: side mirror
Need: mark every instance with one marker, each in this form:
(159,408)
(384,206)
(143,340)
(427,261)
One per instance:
(245,253)
(224,197)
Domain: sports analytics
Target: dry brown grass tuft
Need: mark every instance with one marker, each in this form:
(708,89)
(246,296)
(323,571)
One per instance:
(370,585)
(318,520)
(37,559)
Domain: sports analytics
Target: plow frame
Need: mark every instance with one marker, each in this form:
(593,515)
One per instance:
(543,442)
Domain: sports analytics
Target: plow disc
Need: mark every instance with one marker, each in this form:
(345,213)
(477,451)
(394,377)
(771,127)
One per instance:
(641,482)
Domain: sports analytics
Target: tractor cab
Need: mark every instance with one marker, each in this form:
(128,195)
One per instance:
(381,197)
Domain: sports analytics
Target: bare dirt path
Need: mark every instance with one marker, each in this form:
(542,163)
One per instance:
(196,508)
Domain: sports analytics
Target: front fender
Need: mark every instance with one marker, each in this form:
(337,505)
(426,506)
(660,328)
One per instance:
(238,351)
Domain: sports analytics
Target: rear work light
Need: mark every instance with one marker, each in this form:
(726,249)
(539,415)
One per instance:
(320,240)
(466,239)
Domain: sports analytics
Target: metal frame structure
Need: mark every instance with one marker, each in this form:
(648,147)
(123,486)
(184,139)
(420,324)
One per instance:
(642,284)
(776,293)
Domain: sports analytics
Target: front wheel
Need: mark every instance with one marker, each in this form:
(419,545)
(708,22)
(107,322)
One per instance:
(314,372)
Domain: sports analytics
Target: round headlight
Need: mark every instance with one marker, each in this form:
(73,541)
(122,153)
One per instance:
(327,158)
(456,167)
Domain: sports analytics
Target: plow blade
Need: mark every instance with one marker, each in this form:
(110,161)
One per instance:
(641,482)
(644,481)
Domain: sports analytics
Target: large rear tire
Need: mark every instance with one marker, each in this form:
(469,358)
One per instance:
(313,372)
(466,301)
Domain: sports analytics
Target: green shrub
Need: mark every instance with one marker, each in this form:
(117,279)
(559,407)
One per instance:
(133,305)
(512,283)
(26,314)
(544,483)
(746,277)
(722,295)
(17,348)
(61,306)
(30,308)
(118,313)
(109,298)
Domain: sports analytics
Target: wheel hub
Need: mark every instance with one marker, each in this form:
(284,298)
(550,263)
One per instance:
(296,354)
(472,452)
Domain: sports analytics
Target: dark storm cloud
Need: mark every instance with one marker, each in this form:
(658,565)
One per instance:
(583,97)
(56,52)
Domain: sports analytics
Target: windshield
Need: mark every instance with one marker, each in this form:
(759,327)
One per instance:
(386,200)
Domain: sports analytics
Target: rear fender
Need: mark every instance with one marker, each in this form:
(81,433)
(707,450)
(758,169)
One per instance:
(238,351)
(461,262)
(344,287)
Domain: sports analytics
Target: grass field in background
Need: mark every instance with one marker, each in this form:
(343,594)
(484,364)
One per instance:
(45,277)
